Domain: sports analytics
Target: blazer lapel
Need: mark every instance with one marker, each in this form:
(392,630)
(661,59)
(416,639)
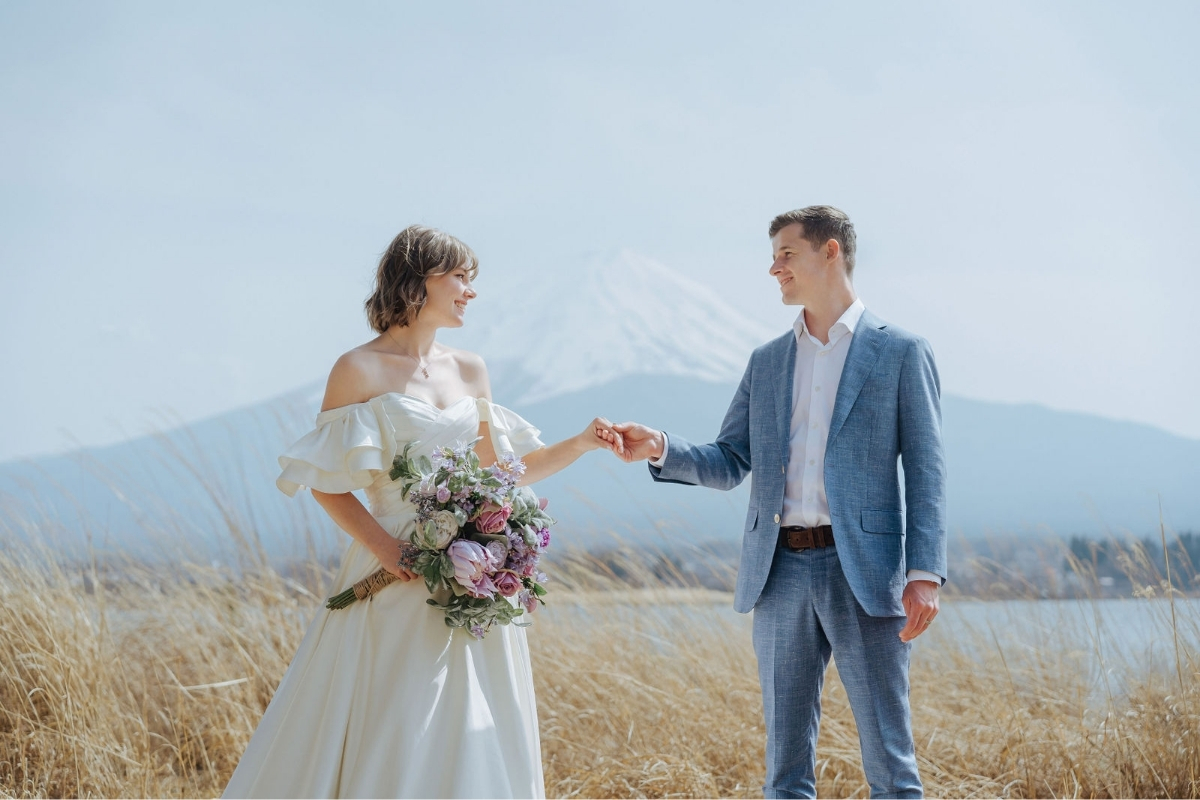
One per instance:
(868,339)
(785,369)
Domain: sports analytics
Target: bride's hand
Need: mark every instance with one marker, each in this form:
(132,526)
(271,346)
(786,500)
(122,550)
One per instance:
(601,434)
(389,558)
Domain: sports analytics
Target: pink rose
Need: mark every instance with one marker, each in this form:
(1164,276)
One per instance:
(492,518)
(507,584)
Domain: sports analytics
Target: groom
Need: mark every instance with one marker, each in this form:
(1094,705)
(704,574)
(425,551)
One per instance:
(831,564)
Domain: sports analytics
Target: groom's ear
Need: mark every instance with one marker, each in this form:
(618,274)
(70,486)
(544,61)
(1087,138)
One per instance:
(832,250)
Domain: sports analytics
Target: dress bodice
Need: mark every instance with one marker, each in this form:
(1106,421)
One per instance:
(352,447)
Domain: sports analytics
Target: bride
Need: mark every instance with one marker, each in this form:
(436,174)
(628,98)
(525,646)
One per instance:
(383,699)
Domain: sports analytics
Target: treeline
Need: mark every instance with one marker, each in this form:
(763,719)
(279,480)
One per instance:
(993,567)
(1135,564)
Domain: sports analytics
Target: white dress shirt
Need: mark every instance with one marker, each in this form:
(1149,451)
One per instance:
(814,390)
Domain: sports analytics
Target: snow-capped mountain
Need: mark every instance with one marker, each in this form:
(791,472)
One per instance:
(615,316)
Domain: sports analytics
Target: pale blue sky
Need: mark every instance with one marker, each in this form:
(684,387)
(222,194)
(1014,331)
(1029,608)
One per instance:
(192,197)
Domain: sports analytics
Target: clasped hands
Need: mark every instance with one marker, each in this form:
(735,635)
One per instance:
(630,441)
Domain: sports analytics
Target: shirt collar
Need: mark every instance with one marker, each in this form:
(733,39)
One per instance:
(846,323)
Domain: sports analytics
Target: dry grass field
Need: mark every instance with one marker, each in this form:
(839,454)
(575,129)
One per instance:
(133,681)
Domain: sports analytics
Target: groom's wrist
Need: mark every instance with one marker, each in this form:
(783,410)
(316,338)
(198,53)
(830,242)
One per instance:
(659,454)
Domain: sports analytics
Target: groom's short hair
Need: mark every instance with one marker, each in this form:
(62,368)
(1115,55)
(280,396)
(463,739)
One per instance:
(820,224)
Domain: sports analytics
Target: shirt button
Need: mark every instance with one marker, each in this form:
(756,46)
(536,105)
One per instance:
(776,518)
(816,388)
(814,426)
(812,461)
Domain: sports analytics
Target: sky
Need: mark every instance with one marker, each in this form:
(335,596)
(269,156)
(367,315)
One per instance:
(193,197)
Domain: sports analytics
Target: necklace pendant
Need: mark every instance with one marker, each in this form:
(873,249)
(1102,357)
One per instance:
(425,372)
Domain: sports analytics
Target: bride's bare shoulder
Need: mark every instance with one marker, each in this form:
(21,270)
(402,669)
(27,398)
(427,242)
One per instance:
(355,378)
(473,371)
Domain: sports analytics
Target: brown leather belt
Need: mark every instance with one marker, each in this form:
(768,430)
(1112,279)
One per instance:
(806,538)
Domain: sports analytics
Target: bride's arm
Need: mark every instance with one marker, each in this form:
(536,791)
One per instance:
(352,517)
(545,461)
(349,382)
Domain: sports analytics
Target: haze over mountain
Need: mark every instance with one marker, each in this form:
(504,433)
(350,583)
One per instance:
(625,337)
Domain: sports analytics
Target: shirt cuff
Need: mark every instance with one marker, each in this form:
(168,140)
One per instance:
(922,575)
(658,462)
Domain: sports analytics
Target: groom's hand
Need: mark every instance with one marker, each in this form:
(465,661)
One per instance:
(640,442)
(921,605)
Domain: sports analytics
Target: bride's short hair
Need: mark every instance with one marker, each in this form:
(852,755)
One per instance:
(417,253)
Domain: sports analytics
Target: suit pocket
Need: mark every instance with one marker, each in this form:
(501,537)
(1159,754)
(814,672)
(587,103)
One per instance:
(751,519)
(875,521)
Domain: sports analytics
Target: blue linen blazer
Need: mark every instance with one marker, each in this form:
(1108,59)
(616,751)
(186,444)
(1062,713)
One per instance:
(887,410)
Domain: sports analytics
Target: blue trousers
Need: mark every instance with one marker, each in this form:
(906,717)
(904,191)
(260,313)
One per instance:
(807,613)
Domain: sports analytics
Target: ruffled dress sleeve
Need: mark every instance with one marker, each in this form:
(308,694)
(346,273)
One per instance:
(510,433)
(346,451)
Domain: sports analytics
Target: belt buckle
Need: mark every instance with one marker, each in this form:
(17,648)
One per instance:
(802,539)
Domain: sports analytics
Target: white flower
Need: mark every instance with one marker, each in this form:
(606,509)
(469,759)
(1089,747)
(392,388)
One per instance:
(447,528)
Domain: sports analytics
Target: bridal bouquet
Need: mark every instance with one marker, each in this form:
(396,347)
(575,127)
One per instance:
(477,539)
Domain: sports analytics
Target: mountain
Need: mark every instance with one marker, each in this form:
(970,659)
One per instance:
(623,337)
(616,315)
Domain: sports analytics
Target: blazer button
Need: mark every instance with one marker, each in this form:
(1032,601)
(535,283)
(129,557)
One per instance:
(777,519)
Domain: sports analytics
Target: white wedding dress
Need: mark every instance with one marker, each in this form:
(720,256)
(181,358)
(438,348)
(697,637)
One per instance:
(383,699)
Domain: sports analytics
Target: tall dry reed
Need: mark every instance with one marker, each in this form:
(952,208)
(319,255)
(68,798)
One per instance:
(125,679)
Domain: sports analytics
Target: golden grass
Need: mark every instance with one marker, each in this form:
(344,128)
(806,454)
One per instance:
(130,680)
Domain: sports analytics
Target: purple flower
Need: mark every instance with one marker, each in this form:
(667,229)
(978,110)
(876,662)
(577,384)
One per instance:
(544,536)
(529,601)
(478,631)
(483,588)
(498,552)
(470,561)
(443,494)
(472,565)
